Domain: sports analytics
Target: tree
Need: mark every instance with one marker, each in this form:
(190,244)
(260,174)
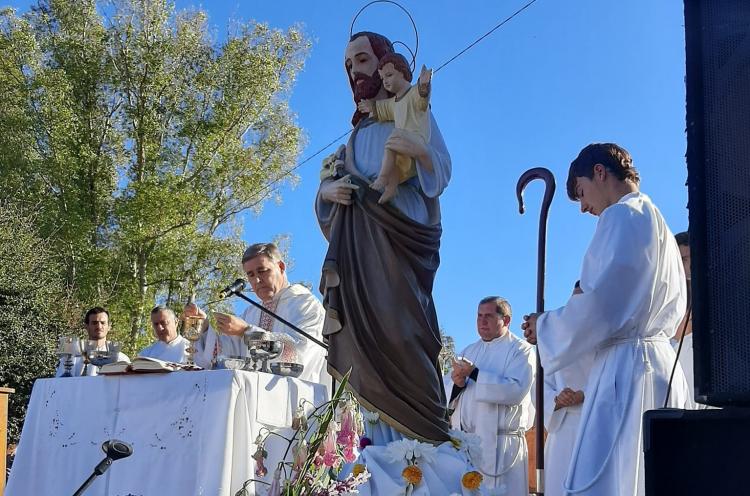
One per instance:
(33,310)
(144,140)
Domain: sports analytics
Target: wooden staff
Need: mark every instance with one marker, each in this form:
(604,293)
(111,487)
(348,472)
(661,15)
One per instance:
(549,192)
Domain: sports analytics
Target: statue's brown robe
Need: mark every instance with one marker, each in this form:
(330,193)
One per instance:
(381,322)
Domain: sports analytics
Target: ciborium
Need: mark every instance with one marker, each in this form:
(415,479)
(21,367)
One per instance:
(67,348)
(262,346)
(191,330)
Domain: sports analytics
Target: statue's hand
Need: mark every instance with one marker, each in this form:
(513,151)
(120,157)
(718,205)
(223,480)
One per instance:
(410,144)
(425,76)
(338,191)
(332,163)
(366,106)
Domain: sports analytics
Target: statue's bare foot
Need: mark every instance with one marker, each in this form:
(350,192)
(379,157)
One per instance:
(379,184)
(389,193)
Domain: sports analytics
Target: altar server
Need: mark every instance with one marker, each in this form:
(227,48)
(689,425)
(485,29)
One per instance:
(97,326)
(563,401)
(633,298)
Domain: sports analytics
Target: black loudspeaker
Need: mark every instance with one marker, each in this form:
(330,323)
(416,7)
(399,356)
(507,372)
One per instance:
(696,452)
(717,37)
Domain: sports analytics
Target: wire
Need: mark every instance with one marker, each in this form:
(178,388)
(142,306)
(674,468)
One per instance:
(514,14)
(689,315)
(264,194)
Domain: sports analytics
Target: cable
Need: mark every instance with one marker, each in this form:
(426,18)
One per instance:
(514,14)
(689,315)
(263,194)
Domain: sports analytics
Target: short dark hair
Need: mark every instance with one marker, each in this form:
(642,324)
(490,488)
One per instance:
(162,308)
(683,238)
(94,311)
(399,63)
(502,305)
(268,249)
(614,158)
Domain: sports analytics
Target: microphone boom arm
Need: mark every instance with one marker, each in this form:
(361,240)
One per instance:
(281,319)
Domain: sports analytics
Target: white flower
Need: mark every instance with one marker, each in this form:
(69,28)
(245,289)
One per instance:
(370,417)
(425,451)
(469,444)
(410,450)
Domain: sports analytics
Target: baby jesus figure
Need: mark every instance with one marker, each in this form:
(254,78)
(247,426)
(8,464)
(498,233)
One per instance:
(408,109)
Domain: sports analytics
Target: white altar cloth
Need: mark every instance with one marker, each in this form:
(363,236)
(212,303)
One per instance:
(192,433)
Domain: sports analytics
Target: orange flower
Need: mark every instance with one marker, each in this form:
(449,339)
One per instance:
(358,469)
(412,474)
(471,480)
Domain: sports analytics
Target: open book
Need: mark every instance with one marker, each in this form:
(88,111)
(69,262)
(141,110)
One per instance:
(144,365)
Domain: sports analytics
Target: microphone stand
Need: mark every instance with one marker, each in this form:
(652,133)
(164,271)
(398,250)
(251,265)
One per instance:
(280,319)
(98,470)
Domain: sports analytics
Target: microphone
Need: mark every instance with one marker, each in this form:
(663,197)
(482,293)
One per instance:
(117,449)
(235,287)
(114,450)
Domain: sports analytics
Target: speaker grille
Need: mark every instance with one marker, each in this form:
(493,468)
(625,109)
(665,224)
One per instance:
(718,62)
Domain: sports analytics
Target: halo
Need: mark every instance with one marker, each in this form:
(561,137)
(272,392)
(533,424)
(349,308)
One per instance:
(413,55)
(411,19)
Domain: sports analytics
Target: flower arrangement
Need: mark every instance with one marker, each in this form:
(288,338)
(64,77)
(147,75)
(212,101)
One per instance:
(414,453)
(323,440)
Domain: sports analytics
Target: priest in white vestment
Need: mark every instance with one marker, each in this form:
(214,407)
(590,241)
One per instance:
(97,326)
(633,298)
(169,346)
(490,397)
(266,273)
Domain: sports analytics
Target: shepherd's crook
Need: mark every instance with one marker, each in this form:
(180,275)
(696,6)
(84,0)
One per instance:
(549,192)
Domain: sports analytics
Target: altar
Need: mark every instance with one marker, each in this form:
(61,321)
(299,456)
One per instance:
(192,433)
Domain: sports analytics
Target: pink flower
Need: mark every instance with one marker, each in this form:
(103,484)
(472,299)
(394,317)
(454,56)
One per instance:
(350,454)
(318,459)
(275,489)
(330,454)
(300,455)
(259,455)
(260,469)
(348,436)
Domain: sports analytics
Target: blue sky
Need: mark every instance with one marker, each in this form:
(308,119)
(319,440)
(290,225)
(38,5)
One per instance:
(557,77)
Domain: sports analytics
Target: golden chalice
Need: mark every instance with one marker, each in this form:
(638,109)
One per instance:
(191,330)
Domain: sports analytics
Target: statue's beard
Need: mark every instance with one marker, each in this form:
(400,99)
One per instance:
(366,87)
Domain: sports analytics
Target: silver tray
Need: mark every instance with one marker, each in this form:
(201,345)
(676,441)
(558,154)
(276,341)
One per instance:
(232,363)
(287,369)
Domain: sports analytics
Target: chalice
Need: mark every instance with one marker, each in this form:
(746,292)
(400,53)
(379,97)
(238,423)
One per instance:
(89,353)
(262,346)
(67,348)
(191,330)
